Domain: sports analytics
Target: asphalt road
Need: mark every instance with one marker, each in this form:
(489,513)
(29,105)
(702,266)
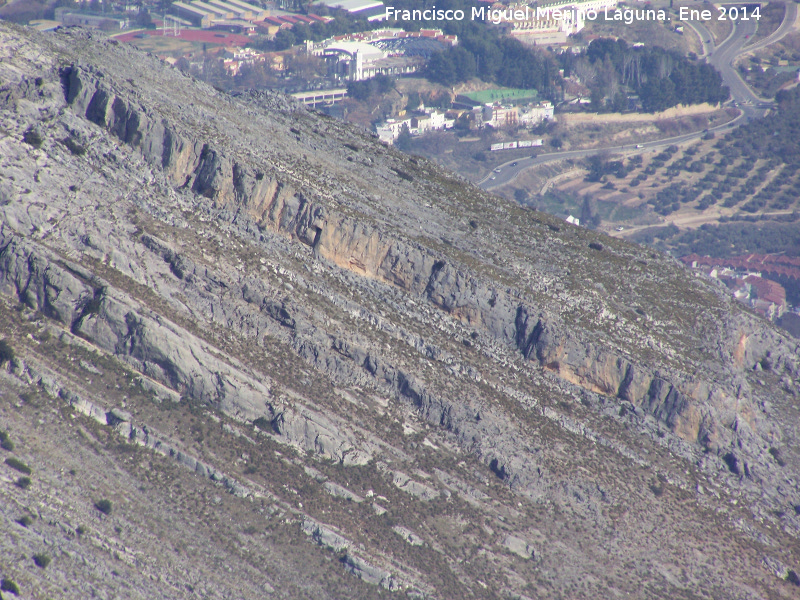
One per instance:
(721,57)
(785,28)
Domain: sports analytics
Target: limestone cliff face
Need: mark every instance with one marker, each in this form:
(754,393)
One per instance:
(697,411)
(287,271)
(690,409)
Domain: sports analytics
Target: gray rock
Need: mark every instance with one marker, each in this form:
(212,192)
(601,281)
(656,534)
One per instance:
(374,575)
(90,367)
(519,547)
(117,415)
(334,489)
(312,431)
(408,535)
(408,485)
(324,536)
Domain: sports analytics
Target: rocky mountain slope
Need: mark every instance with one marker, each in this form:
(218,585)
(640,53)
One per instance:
(298,364)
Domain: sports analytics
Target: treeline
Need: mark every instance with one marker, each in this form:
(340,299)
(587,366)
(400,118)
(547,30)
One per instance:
(729,239)
(501,60)
(364,90)
(661,78)
(482,52)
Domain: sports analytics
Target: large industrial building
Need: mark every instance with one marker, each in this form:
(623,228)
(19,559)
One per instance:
(393,52)
(195,15)
(372,10)
(77,18)
(224,13)
(356,61)
(551,21)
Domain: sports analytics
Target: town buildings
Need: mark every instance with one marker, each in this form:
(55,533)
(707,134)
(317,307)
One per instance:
(234,58)
(232,15)
(549,22)
(109,22)
(417,123)
(372,10)
(745,277)
(495,115)
(235,15)
(500,116)
(356,61)
(359,56)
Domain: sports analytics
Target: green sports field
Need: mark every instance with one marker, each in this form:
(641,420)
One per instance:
(502,94)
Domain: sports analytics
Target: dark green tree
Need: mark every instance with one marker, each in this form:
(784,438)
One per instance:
(284,40)
(403,141)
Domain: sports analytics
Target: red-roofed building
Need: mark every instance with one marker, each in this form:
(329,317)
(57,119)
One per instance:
(762,263)
(279,22)
(746,275)
(770,298)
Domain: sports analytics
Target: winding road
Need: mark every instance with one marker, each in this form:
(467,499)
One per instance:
(721,57)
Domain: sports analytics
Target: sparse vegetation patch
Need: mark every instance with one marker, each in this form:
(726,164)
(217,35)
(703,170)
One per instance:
(104,506)
(41,560)
(18,465)
(5,441)
(8,585)
(32,138)
(73,146)
(6,352)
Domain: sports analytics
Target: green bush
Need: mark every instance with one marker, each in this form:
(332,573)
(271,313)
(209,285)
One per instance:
(5,442)
(74,146)
(24,483)
(776,454)
(104,506)
(18,465)
(403,175)
(41,560)
(6,352)
(25,520)
(262,424)
(7,585)
(33,138)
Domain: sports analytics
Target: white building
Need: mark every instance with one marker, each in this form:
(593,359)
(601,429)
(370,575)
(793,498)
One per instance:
(391,129)
(356,61)
(536,113)
(431,120)
(551,21)
(499,116)
(438,120)
(372,10)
